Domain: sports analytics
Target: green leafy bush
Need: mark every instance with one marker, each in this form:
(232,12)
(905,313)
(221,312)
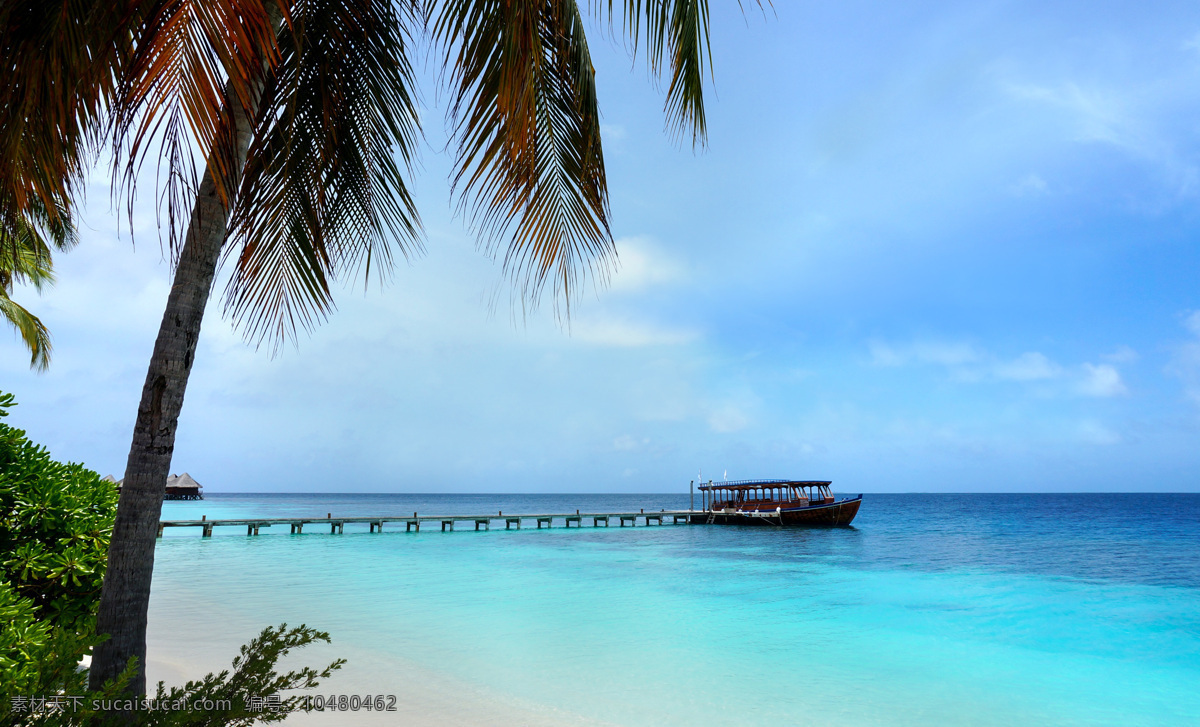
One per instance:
(55,523)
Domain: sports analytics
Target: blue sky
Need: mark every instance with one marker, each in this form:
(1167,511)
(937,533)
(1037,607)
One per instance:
(939,246)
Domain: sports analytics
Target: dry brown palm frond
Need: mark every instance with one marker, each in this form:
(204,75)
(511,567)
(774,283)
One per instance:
(192,61)
(56,76)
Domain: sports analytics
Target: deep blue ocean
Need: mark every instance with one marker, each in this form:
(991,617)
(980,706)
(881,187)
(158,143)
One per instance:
(1023,609)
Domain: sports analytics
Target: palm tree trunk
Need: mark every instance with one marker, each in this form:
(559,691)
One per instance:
(125,596)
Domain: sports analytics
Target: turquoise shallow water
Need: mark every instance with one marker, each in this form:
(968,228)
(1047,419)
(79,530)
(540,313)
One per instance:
(933,609)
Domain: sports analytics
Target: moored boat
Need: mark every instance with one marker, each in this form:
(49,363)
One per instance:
(775,502)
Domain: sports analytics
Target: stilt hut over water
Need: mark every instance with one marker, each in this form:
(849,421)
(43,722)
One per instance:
(179,487)
(183,487)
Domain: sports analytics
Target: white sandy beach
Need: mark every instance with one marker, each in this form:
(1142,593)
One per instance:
(210,634)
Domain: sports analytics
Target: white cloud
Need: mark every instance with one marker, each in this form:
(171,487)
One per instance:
(946,354)
(1135,119)
(627,443)
(1031,185)
(612,132)
(629,334)
(1030,366)
(728,418)
(1192,322)
(884,355)
(1097,114)
(1101,380)
(1122,354)
(1185,364)
(1094,432)
(969,364)
(924,352)
(642,265)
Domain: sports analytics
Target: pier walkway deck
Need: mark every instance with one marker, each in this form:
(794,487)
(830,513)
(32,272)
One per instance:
(447,522)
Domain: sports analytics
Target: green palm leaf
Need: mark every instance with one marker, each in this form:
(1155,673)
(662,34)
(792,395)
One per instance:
(25,257)
(323,194)
(530,166)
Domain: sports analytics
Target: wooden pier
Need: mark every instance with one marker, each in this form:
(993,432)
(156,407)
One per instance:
(375,524)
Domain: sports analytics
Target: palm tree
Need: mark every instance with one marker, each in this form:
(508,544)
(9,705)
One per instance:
(305,114)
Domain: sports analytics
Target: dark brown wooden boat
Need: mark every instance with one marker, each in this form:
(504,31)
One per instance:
(776,502)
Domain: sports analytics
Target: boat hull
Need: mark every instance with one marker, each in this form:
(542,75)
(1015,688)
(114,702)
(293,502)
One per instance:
(836,514)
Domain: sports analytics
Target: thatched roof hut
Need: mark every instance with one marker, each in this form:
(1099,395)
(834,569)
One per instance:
(183,487)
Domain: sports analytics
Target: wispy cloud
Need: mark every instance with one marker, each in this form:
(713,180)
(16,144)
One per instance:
(1185,364)
(1029,366)
(629,334)
(1121,355)
(1138,120)
(968,363)
(1031,185)
(628,443)
(641,265)
(1192,323)
(728,418)
(1101,380)
(924,352)
(1097,114)
(1094,432)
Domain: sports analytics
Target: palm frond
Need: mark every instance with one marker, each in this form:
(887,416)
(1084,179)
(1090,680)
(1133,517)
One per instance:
(56,60)
(27,239)
(30,329)
(675,37)
(24,258)
(323,194)
(526,123)
(674,34)
(193,62)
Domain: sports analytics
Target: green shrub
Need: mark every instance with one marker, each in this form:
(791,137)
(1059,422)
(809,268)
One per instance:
(55,524)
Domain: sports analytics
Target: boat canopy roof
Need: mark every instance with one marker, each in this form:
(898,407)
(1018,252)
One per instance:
(763,484)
